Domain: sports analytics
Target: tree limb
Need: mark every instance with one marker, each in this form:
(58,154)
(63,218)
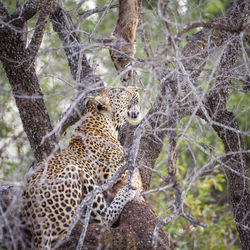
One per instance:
(26,90)
(212,25)
(80,69)
(216,107)
(88,13)
(27,11)
(156,125)
(37,37)
(196,53)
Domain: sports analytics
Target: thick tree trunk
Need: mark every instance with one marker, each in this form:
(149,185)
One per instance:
(235,163)
(18,62)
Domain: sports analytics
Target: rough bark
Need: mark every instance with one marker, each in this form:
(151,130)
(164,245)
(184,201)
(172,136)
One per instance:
(235,164)
(226,126)
(127,233)
(196,52)
(18,62)
(131,231)
(82,73)
(122,49)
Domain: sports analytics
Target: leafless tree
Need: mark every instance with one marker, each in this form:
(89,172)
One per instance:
(179,96)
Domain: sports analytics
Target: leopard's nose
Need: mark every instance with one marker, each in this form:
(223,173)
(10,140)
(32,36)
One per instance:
(133,114)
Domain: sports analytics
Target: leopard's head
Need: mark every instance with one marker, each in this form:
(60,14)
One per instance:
(119,103)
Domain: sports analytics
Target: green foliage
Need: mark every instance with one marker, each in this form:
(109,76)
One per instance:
(204,185)
(205,195)
(206,9)
(203,206)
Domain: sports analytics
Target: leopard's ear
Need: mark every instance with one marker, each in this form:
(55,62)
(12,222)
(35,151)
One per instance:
(101,102)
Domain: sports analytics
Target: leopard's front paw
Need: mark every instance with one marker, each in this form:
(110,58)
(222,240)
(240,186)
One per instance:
(128,193)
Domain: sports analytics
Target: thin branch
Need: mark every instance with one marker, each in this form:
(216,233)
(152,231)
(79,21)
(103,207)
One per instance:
(78,6)
(216,108)
(213,25)
(194,222)
(63,25)
(163,223)
(101,18)
(218,97)
(85,224)
(79,66)
(133,153)
(88,13)
(172,155)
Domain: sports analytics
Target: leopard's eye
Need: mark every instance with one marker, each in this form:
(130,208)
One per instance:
(100,107)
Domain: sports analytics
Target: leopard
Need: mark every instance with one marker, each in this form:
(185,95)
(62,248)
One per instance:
(58,185)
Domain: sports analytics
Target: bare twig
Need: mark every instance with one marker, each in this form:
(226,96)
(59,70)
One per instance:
(78,6)
(88,13)
(63,25)
(100,20)
(194,222)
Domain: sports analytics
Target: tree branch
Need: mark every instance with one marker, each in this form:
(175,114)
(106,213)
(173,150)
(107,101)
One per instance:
(88,13)
(212,25)
(37,37)
(26,90)
(27,11)
(196,54)
(157,124)
(216,107)
(63,25)
(80,69)
(100,19)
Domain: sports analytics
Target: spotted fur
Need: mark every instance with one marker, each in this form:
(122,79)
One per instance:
(94,153)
